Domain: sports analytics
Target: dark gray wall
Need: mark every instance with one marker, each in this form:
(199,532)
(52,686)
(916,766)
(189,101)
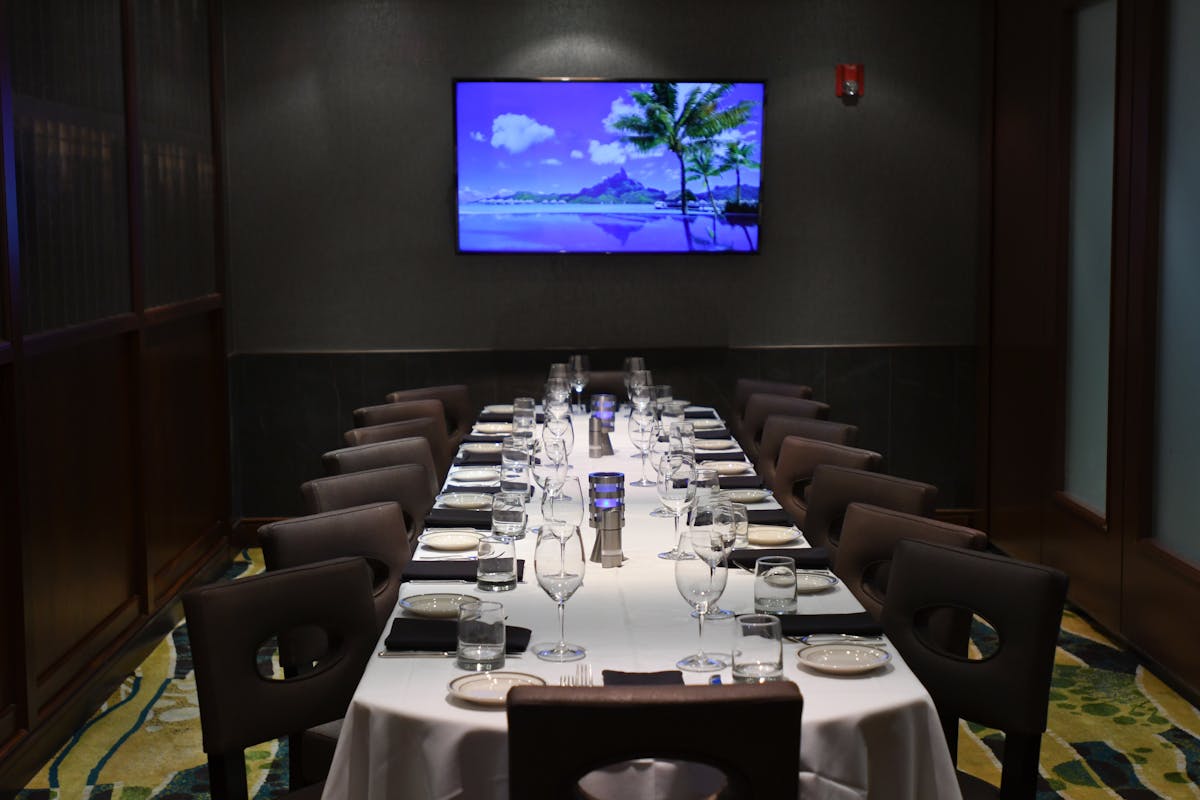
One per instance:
(341,166)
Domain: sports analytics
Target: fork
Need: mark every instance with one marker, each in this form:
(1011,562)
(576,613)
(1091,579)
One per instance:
(582,676)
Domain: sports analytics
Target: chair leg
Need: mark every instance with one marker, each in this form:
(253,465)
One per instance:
(227,776)
(1018,778)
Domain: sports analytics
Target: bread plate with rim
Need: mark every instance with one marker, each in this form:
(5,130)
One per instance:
(481,448)
(814,581)
(706,424)
(492,428)
(773,535)
(727,467)
(716,444)
(451,540)
(464,500)
(439,605)
(747,496)
(490,688)
(843,659)
(474,475)
(499,408)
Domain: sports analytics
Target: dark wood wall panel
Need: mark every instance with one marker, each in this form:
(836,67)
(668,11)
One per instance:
(79,448)
(11,644)
(185,449)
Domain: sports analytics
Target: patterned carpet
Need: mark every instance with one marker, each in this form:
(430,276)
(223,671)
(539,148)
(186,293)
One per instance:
(1115,731)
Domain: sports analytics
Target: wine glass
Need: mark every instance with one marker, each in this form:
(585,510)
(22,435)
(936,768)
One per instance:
(559,430)
(641,430)
(632,364)
(660,449)
(559,563)
(565,503)
(711,531)
(639,388)
(578,368)
(677,490)
(549,473)
(557,390)
(701,584)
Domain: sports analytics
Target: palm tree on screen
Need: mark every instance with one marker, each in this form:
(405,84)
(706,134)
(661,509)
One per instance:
(665,122)
(702,164)
(737,156)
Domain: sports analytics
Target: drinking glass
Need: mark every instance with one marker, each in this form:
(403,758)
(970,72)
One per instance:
(677,490)
(662,396)
(496,564)
(561,430)
(515,458)
(641,429)
(757,649)
(660,449)
(741,525)
(559,370)
(557,390)
(775,585)
(683,438)
(480,635)
(579,369)
(559,563)
(632,364)
(701,585)
(508,514)
(548,473)
(710,527)
(566,503)
(639,388)
(672,414)
(524,419)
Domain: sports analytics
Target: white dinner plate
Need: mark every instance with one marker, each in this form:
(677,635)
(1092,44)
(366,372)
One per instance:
(728,467)
(465,500)
(843,659)
(490,688)
(474,474)
(499,408)
(747,495)
(772,535)
(450,539)
(813,582)
(706,424)
(435,606)
(493,427)
(716,444)
(482,447)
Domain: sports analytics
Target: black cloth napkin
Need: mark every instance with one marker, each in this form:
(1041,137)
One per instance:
(805,557)
(768,516)
(459,517)
(441,635)
(741,481)
(497,416)
(700,413)
(713,433)
(453,570)
(706,455)
(470,488)
(860,624)
(670,677)
(478,459)
(485,437)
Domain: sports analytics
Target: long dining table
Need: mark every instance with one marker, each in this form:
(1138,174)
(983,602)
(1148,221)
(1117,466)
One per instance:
(873,735)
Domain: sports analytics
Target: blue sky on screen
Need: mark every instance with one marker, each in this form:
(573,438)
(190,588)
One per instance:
(554,136)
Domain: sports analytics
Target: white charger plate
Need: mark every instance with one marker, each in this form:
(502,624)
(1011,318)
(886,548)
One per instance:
(813,582)
(490,688)
(464,500)
(450,539)
(474,475)
(772,535)
(482,447)
(727,467)
(499,408)
(843,659)
(493,427)
(435,606)
(716,444)
(706,424)
(747,495)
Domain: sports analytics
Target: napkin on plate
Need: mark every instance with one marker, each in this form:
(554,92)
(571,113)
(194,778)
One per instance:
(670,677)
(478,459)
(469,488)
(729,455)
(713,433)
(805,557)
(860,624)
(768,516)
(700,413)
(452,570)
(459,517)
(485,437)
(497,416)
(741,481)
(441,635)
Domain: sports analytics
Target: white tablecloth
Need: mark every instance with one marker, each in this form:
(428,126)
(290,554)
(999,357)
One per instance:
(874,735)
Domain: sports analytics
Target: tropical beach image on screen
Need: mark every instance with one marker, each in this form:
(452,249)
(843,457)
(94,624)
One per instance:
(608,167)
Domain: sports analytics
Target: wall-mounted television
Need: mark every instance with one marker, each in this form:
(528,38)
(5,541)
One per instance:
(594,166)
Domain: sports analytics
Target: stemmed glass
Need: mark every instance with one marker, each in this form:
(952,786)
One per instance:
(712,531)
(559,563)
(632,364)
(578,368)
(677,490)
(557,390)
(641,430)
(559,429)
(660,450)
(639,389)
(565,503)
(549,473)
(701,584)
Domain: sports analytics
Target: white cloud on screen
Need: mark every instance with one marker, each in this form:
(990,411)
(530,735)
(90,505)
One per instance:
(517,132)
(611,153)
(551,162)
(621,107)
(478,136)
(576,154)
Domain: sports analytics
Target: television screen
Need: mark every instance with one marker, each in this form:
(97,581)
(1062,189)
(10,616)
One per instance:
(583,166)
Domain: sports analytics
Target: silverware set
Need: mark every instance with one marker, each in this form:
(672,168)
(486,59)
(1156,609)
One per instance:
(582,677)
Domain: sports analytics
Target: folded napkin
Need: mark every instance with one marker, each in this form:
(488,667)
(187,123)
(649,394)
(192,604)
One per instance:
(741,481)
(670,677)
(714,433)
(767,516)
(708,455)
(805,557)
(459,517)
(454,570)
(860,624)
(700,413)
(470,488)
(485,437)
(478,459)
(441,635)
(497,416)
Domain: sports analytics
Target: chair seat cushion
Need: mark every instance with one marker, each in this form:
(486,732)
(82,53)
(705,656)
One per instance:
(318,747)
(976,789)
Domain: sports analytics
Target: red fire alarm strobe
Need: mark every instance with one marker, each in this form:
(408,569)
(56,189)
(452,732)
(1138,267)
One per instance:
(849,80)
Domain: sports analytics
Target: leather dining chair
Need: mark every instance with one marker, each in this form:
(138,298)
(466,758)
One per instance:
(375,533)
(1008,689)
(459,412)
(228,622)
(406,484)
(778,426)
(750,386)
(606,382)
(799,458)
(397,412)
(611,725)
(427,427)
(834,488)
(391,453)
(761,406)
(869,538)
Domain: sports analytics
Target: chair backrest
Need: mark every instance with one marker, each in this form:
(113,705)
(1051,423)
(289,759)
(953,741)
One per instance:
(398,412)
(428,427)
(409,450)
(834,488)
(606,382)
(228,622)
(869,538)
(1009,689)
(761,406)
(459,412)
(745,387)
(778,426)
(610,725)
(798,460)
(405,484)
